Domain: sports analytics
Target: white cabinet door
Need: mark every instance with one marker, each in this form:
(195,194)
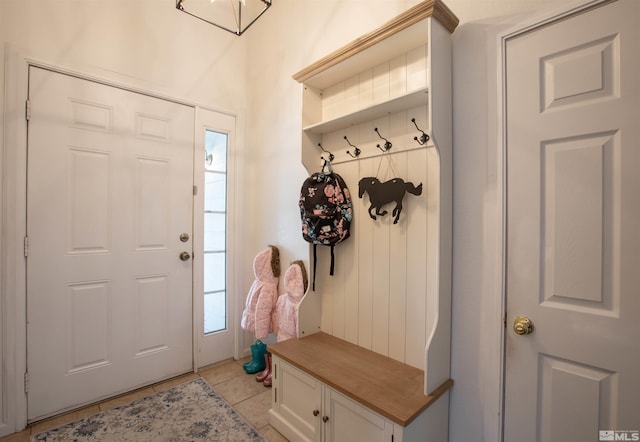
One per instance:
(297,401)
(304,409)
(348,421)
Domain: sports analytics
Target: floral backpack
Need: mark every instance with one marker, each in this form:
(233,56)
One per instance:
(326,211)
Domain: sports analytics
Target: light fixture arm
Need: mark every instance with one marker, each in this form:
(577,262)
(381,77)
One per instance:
(240,11)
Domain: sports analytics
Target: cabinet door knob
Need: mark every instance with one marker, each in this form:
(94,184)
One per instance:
(325,418)
(316,412)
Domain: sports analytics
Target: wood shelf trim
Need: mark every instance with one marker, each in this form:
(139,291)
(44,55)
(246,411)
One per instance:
(421,11)
(388,387)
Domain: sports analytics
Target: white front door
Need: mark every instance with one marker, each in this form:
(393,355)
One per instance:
(110,192)
(573,217)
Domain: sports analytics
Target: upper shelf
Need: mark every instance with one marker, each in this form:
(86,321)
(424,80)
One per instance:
(372,112)
(380,44)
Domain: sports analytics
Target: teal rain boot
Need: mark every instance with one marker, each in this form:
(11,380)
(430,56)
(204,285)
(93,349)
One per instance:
(254,348)
(257,362)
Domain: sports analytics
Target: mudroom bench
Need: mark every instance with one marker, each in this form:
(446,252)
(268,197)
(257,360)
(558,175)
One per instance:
(325,388)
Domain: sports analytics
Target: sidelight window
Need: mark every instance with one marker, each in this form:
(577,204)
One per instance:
(215,216)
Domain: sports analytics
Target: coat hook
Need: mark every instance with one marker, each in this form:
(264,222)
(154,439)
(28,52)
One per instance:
(387,143)
(331,157)
(356,150)
(424,137)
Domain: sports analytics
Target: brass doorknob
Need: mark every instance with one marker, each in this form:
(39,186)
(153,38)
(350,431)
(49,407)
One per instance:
(522,325)
(184,256)
(325,418)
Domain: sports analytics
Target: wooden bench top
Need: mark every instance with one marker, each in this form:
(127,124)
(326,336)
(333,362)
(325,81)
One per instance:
(391,388)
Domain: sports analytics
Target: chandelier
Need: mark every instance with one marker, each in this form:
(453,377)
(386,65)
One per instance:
(234,16)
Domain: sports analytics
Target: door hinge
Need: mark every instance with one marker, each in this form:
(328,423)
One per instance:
(26,246)
(27,110)
(504,320)
(26,382)
(195,190)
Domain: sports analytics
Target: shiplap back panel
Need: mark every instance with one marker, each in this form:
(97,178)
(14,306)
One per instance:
(391,79)
(377,295)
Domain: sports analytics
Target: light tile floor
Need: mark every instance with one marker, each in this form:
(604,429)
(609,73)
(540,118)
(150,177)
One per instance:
(228,378)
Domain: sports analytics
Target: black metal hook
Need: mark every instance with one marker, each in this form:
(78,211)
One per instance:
(424,137)
(331,157)
(387,143)
(356,150)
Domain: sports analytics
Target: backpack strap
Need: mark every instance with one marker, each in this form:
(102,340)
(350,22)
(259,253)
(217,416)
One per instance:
(315,260)
(332,259)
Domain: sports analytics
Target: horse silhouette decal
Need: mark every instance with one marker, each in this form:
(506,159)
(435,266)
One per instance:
(381,194)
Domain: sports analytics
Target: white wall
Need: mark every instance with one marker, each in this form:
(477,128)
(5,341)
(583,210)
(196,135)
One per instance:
(147,44)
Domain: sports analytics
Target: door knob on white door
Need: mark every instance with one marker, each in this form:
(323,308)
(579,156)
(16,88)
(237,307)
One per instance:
(184,256)
(522,325)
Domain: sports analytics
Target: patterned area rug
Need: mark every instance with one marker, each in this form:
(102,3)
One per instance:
(189,412)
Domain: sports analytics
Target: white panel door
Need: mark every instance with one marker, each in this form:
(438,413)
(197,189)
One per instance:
(110,191)
(573,156)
